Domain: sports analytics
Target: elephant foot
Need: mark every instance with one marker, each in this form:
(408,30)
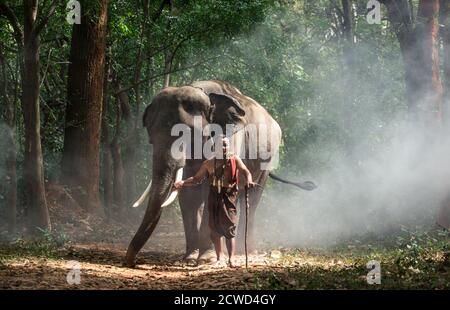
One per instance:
(129,264)
(191,258)
(130,259)
(207,257)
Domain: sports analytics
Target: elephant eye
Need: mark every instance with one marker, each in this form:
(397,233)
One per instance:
(192,108)
(188,108)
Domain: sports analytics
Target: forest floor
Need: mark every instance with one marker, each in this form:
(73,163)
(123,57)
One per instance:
(409,260)
(422,262)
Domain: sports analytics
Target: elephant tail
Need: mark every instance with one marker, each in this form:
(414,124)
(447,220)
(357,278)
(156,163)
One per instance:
(307,185)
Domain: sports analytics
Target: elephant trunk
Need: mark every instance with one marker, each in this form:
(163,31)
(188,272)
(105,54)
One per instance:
(169,200)
(164,174)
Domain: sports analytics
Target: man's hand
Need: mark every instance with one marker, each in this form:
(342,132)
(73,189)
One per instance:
(250,184)
(246,172)
(178,185)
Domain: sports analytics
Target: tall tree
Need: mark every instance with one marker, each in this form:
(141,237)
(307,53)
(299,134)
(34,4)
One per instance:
(347,17)
(80,162)
(445,35)
(344,20)
(420,50)
(34,169)
(122,112)
(10,180)
(444,214)
(107,160)
(427,38)
(133,122)
(28,42)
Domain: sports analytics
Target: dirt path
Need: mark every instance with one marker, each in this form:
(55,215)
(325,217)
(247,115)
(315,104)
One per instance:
(99,249)
(100,268)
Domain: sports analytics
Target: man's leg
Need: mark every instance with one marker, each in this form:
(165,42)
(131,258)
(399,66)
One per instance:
(215,238)
(206,247)
(231,248)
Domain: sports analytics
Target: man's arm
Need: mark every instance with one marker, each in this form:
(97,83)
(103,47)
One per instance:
(196,179)
(248,176)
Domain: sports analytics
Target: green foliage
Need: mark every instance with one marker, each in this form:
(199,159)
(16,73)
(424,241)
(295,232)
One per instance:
(45,246)
(423,262)
(180,30)
(288,55)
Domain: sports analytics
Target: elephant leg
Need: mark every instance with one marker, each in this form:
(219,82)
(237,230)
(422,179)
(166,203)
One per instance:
(142,235)
(195,219)
(254,197)
(189,206)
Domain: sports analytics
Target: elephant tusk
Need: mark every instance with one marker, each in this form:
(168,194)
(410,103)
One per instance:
(172,196)
(143,196)
(174,193)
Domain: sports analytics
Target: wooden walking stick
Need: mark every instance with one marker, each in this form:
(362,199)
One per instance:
(246,226)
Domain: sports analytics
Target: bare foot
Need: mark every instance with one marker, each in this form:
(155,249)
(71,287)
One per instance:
(233,264)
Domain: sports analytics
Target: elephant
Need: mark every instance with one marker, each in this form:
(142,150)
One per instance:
(212,102)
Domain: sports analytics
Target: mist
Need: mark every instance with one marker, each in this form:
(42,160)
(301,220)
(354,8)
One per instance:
(378,170)
(401,184)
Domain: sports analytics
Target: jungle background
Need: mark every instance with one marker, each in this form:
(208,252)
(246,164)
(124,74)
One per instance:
(362,107)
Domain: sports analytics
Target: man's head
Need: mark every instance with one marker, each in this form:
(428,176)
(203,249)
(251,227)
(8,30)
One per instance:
(222,146)
(225,144)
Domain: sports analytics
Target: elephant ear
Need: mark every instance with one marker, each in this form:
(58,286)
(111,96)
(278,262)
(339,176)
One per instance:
(149,115)
(225,109)
(148,119)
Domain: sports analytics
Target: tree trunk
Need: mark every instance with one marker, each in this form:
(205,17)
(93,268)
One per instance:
(419,47)
(445,35)
(129,162)
(347,20)
(80,162)
(116,154)
(420,50)
(167,68)
(10,181)
(132,140)
(118,171)
(349,76)
(428,105)
(124,166)
(107,161)
(33,161)
(401,19)
(168,55)
(443,219)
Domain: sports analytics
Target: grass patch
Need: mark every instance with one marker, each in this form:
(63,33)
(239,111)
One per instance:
(412,260)
(45,245)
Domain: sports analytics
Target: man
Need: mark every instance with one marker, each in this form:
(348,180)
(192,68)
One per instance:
(222,173)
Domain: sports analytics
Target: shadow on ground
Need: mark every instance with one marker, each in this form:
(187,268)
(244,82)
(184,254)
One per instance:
(100,268)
